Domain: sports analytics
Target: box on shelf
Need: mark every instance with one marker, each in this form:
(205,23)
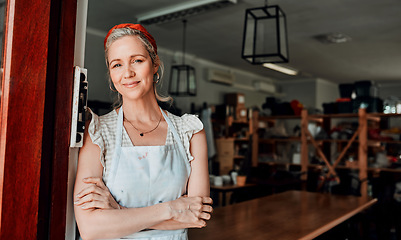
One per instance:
(296,158)
(330,108)
(225,154)
(362,88)
(222,111)
(372,104)
(225,146)
(345,107)
(235,99)
(226,164)
(346,90)
(241,113)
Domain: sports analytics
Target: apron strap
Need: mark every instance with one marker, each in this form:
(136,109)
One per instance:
(117,148)
(175,135)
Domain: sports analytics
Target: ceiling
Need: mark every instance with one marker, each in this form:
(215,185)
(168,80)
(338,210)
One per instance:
(374,53)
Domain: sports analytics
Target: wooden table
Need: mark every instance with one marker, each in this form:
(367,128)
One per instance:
(229,188)
(288,215)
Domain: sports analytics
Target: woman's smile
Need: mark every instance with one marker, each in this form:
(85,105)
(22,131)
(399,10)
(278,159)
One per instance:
(131,84)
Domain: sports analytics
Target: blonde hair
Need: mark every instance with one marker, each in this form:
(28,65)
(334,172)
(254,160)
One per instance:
(122,32)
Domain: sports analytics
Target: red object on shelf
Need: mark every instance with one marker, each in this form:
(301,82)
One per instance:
(375,135)
(343,100)
(296,107)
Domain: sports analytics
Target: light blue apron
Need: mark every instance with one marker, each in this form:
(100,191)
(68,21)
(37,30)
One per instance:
(142,176)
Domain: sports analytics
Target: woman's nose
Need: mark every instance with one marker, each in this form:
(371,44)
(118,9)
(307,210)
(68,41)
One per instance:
(129,72)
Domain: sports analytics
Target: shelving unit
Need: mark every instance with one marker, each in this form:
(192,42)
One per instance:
(232,153)
(322,146)
(269,120)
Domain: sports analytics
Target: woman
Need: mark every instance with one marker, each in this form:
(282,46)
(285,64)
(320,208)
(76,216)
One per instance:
(142,172)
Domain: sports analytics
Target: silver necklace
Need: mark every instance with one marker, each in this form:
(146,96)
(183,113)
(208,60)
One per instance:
(143,133)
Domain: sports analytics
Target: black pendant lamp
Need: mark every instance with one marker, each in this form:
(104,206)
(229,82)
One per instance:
(265,35)
(182,77)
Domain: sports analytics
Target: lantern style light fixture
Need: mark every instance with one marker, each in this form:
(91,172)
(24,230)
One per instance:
(265,35)
(182,77)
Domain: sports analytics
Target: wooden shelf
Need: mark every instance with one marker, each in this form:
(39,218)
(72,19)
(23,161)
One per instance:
(371,142)
(336,115)
(274,140)
(278,163)
(370,169)
(397,170)
(240,122)
(272,118)
(241,139)
(387,141)
(384,114)
(334,140)
(353,115)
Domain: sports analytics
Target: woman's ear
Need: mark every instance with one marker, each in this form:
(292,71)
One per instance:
(156,65)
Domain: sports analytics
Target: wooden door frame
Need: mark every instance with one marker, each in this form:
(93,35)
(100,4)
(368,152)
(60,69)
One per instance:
(35,118)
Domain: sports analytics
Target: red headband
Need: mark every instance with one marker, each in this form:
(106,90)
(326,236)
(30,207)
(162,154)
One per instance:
(138,27)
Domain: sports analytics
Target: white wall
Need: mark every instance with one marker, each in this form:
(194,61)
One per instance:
(209,92)
(326,92)
(303,90)
(311,92)
(390,89)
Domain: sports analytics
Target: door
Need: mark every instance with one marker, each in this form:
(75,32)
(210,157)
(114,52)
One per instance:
(35,118)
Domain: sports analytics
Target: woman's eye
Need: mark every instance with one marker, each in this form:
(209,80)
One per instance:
(138,61)
(116,65)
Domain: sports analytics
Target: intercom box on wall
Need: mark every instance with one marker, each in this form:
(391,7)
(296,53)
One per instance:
(79,105)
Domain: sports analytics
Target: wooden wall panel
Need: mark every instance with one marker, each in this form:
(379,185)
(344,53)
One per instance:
(22,115)
(38,63)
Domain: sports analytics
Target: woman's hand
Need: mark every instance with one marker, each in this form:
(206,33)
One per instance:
(192,210)
(96,195)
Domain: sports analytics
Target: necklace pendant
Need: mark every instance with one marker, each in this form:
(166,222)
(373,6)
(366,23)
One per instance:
(141,134)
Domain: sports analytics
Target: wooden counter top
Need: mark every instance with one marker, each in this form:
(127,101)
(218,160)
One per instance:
(289,215)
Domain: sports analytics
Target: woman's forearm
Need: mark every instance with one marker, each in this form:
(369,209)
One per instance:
(172,225)
(116,223)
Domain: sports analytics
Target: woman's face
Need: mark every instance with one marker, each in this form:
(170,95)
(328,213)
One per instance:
(131,68)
